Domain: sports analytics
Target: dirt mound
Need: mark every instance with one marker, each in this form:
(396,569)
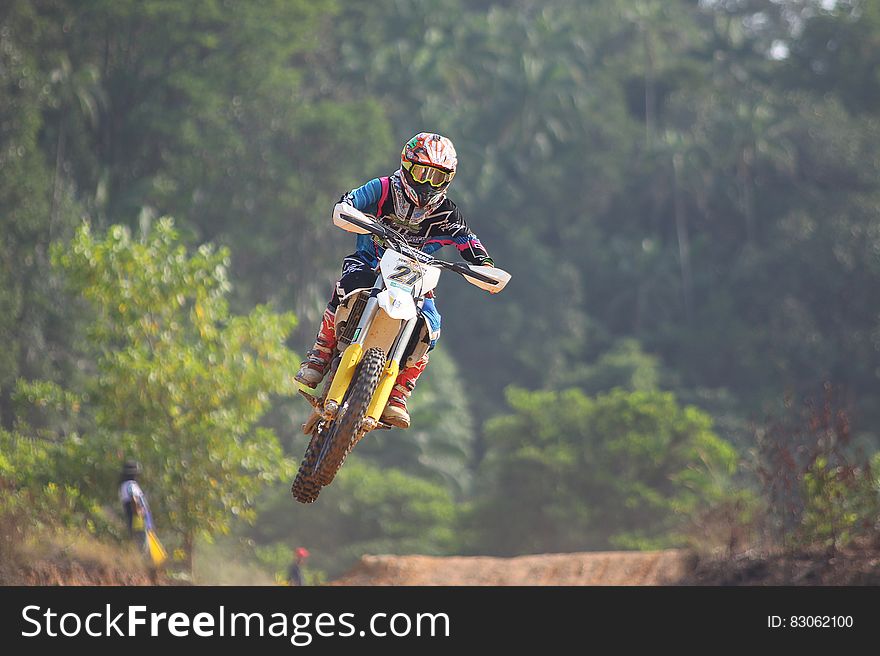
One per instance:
(620,568)
(589,568)
(860,567)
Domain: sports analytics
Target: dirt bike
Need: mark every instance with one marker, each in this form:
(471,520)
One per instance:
(376,330)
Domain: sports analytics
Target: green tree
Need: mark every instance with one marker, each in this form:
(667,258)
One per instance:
(836,51)
(181,382)
(624,365)
(208,111)
(37,325)
(579,473)
(659,171)
(367,509)
(841,503)
(439,444)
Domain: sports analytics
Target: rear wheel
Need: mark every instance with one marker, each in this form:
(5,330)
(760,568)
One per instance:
(346,428)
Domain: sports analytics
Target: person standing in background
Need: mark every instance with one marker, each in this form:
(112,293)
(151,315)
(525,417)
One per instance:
(134,503)
(295,573)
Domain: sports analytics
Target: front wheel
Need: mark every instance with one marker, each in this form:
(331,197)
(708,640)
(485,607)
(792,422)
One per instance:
(345,429)
(305,488)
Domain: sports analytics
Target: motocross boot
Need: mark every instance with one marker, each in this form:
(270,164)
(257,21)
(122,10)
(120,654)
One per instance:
(395,412)
(313,368)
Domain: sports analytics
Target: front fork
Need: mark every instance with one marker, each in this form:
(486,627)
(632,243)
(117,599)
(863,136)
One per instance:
(352,354)
(389,374)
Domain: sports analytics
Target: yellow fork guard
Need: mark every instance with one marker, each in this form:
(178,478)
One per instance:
(347,365)
(383,391)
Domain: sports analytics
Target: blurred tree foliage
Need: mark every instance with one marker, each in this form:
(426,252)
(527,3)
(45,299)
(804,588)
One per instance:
(580,473)
(36,324)
(438,445)
(181,381)
(818,489)
(685,192)
(368,509)
(691,175)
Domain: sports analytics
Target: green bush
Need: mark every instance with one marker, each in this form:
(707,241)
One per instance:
(565,471)
(841,504)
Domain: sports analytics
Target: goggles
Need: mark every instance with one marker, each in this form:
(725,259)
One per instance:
(435,177)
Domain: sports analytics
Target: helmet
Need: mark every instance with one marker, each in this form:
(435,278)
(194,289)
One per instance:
(302,552)
(427,166)
(131,469)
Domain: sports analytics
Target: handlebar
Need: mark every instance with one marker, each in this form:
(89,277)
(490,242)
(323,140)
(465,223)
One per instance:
(372,226)
(398,241)
(464,270)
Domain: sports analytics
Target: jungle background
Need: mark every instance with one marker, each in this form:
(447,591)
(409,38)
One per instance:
(686,193)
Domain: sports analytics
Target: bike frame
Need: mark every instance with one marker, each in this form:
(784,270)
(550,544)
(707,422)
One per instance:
(352,355)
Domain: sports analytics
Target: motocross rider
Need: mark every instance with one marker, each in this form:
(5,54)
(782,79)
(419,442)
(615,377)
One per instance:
(413,201)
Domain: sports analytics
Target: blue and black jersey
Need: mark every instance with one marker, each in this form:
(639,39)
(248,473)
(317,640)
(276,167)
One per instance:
(426,230)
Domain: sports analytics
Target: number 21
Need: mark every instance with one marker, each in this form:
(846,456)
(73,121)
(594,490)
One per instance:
(401,271)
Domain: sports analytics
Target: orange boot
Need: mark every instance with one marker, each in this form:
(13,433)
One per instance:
(313,368)
(395,412)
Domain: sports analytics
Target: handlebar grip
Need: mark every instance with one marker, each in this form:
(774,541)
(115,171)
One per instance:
(466,270)
(376,228)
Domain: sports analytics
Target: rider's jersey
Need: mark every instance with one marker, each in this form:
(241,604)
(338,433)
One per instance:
(425,229)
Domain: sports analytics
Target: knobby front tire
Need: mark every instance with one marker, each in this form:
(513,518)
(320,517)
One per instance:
(346,428)
(306,488)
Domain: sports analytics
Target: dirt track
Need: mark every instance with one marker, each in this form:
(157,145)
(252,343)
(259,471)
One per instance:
(855,566)
(598,568)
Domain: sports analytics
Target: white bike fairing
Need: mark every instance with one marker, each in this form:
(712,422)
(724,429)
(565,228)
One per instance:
(404,279)
(397,304)
(408,275)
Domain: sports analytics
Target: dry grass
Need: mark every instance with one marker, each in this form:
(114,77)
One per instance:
(215,564)
(63,545)
(32,555)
